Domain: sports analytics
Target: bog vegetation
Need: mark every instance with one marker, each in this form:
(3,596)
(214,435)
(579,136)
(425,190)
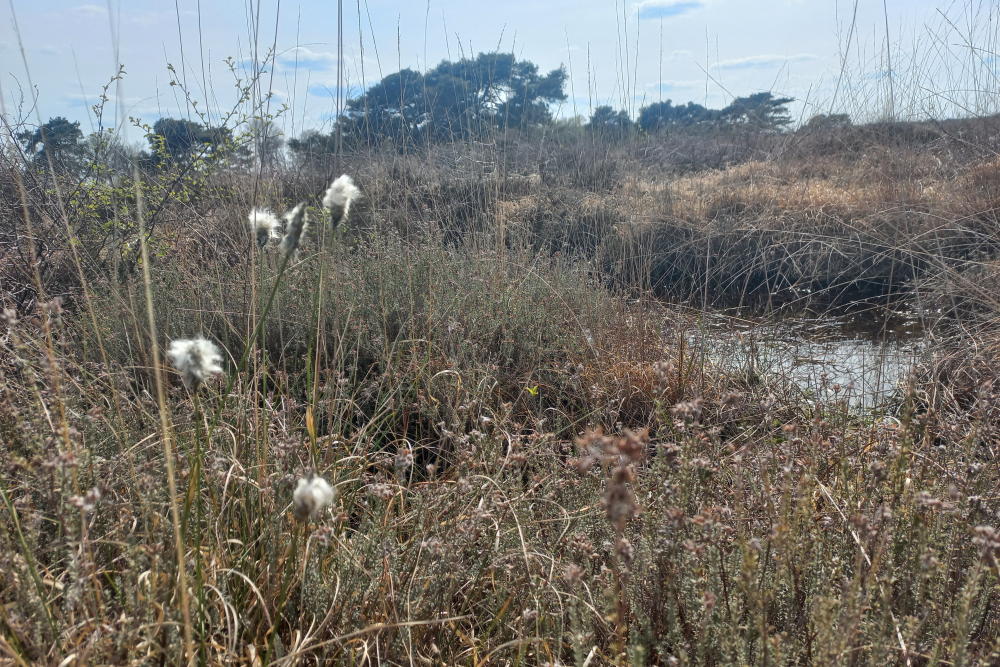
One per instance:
(457,415)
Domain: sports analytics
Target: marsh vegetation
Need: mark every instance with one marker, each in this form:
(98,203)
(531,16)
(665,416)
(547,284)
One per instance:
(530,399)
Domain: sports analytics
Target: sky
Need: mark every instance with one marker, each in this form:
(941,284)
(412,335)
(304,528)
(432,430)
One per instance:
(56,56)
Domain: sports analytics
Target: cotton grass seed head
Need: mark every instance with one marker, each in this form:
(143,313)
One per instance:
(196,360)
(338,197)
(296,224)
(311,496)
(264,225)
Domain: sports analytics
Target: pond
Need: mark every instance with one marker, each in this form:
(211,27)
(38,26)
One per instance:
(866,350)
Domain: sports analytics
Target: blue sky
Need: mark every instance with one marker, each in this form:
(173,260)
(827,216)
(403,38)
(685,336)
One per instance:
(712,50)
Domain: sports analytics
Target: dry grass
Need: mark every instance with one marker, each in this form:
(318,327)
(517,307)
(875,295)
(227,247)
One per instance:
(445,363)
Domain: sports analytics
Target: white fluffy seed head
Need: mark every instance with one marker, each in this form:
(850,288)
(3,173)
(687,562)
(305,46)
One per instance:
(196,359)
(338,197)
(311,496)
(264,225)
(296,224)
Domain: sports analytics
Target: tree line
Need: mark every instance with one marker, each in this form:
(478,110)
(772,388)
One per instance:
(169,141)
(762,111)
(456,100)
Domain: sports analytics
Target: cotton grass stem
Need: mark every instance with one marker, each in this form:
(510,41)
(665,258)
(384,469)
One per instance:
(297,215)
(313,359)
(290,556)
(199,575)
(164,426)
(241,366)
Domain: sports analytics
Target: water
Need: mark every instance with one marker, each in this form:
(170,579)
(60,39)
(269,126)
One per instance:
(866,352)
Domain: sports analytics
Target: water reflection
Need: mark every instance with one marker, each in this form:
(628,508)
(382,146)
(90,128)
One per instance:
(870,349)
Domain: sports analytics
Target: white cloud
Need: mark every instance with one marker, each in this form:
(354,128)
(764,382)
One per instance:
(91,10)
(658,9)
(147,19)
(671,84)
(150,19)
(307,58)
(84,98)
(764,61)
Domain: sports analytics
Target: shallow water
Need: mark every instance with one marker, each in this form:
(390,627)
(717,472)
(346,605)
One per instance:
(868,353)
